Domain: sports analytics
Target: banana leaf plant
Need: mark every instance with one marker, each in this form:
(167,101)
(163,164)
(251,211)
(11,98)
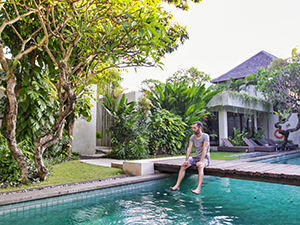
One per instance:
(185,100)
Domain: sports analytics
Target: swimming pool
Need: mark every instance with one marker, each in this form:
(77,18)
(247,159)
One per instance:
(223,201)
(293,159)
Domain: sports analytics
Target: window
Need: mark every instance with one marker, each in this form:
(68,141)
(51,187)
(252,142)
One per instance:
(239,121)
(211,127)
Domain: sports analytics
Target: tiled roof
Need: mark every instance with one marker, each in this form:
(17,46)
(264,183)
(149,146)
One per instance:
(250,66)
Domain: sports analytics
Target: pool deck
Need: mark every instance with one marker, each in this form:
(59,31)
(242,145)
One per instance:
(241,169)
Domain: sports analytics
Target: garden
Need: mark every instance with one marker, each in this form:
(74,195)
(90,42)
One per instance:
(52,51)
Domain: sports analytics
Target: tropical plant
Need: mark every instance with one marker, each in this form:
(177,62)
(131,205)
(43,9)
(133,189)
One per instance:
(129,139)
(237,85)
(36,109)
(10,174)
(8,165)
(237,138)
(257,133)
(166,131)
(183,99)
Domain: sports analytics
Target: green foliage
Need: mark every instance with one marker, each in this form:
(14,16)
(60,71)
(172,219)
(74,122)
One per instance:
(166,132)
(56,153)
(99,135)
(129,137)
(83,106)
(181,4)
(183,99)
(279,83)
(36,109)
(108,82)
(238,85)
(258,134)
(8,165)
(237,140)
(191,75)
(81,44)
(9,175)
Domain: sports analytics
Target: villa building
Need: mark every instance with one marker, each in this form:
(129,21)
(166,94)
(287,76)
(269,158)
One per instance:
(245,110)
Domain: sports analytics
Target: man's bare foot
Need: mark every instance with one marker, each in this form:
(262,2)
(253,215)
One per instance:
(197,192)
(174,188)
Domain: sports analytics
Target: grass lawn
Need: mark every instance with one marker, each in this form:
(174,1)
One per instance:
(224,155)
(73,171)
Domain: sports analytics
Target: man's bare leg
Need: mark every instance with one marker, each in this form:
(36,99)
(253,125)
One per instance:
(200,179)
(181,175)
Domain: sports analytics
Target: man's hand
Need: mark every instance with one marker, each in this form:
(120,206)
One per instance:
(186,163)
(201,164)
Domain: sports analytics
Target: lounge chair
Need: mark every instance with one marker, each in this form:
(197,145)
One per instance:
(265,142)
(289,146)
(258,148)
(229,147)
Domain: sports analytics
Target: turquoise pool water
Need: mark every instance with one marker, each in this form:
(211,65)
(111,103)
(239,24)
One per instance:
(223,201)
(293,159)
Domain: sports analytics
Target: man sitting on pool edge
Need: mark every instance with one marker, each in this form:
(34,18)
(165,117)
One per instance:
(201,160)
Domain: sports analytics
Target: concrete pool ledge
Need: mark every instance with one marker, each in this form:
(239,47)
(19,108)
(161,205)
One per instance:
(145,166)
(24,195)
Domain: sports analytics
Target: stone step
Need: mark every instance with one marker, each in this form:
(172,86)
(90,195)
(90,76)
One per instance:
(95,156)
(117,165)
(103,149)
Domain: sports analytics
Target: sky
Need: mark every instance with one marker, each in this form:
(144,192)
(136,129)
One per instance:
(225,33)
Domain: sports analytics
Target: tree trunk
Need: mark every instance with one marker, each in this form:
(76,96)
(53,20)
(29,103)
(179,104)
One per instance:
(285,138)
(45,141)
(70,129)
(10,118)
(286,132)
(9,122)
(55,134)
(38,159)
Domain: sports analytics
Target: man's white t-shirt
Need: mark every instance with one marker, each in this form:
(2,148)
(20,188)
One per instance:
(198,143)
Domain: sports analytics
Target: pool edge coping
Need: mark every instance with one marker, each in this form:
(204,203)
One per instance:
(271,155)
(14,197)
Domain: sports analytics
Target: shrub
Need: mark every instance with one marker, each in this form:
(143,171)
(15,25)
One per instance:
(237,140)
(10,172)
(166,131)
(8,165)
(128,129)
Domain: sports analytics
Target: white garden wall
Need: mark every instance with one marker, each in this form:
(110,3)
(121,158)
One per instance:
(295,136)
(85,132)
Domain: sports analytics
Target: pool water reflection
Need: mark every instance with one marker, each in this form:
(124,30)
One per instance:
(223,201)
(292,159)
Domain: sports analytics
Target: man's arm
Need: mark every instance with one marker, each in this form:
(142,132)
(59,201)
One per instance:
(188,152)
(205,146)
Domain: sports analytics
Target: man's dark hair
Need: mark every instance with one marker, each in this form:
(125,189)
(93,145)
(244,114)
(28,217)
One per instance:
(199,124)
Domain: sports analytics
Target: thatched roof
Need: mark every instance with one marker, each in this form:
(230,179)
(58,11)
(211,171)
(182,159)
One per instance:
(250,66)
